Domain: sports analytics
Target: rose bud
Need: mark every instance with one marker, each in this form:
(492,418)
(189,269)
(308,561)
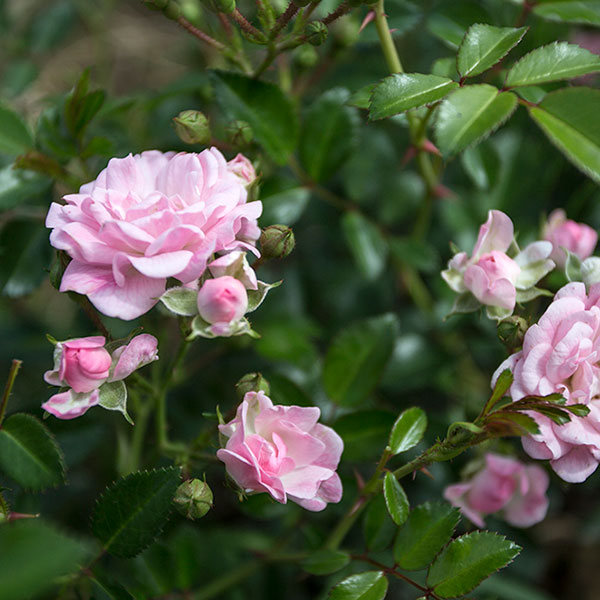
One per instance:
(222,300)
(193,499)
(192,127)
(277,241)
(578,238)
(316,33)
(252,382)
(242,168)
(239,133)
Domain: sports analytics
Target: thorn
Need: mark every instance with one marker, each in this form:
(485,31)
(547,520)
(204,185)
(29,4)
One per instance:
(393,30)
(441,191)
(370,17)
(14,516)
(430,147)
(360,482)
(426,471)
(408,156)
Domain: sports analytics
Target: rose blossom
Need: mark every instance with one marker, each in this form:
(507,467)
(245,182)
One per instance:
(561,354)
(243,168)
(490,275)
(283,451)
(504,484)
(149,217)
(222,300)
(578,238)
(84,365)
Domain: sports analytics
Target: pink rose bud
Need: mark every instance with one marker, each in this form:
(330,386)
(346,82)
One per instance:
(504,484)
(222,300)
(243,168)
(83,364)
(283,451)
(578,238)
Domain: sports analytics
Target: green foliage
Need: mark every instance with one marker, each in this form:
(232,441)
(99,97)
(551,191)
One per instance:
(395,499)
(467,561)
(586,12)
(408,430)
(378,527)
(47,553)
(132,512)
(366,243)
(371,585)
(29,453)
(356,359)
(428,529)
(14,134)
(324,562)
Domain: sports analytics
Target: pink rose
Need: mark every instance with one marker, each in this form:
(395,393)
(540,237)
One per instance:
(243,168)
(561,354)
(222,300)
(283,451)
(578,238)
(146,218)
(84,365)
(506,485)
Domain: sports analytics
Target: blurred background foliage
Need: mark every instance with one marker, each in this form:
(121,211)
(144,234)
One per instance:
(355,260)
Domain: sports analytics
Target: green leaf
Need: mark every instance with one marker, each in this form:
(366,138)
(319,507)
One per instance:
(572,266)
(362,97)
(395,499)
(257,296)
(367,245)
(131,513)
(364,433)
(579,410)
(556,61)
(181,301)
(408,430)
(284,207)
(503,383)
(586,12)
(371,585)
(262,105)
(507,423)
(416,253)
(34,556)
(14,134)
(29,453)
(402,91)
(470,114)
(555,414)
(324,562)
(467,561)
(484,45)
(356,359)
(328,134)
(20,187)
(569,117)
(378,528)
(428,529)
(113,396)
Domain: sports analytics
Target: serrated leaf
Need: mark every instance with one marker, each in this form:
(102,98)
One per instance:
(579,410)
(395,499)
(569,117)
(556,61)
(132,512)
(371,585)
(402,91)
(362,97)
(503,383)
(586,12)
(34,556)
(484,45)
(507,423)
(555,414)
(262,105)
(470,114)
(467,561)
(324,562)
(113,396)
(181,301)
(14,133)
(29,453)
(408,430)
(428,529)
(367,245)
(356,359)
(328,134)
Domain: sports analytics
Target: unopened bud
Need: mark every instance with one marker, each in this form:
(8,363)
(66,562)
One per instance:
(192,127)
(226,6)
(277,241)
(316,33)
(239,133)
(193,499)
(511,332)
(172,10)
(252,382)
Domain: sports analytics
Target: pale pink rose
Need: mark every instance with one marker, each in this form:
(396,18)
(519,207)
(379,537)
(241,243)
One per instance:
(504,484)
(222,300)
(578,238)
(146,218)
(283,451)
(235,264)
(561,354)
(243,168)
(84,365)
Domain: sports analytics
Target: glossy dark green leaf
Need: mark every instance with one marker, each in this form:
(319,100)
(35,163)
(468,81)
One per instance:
(556,61)
(366,243)
(356,359)
(14,133)
(470,114)
(402,91)
(586,12)
(507,423)
(378,527)
(364,433)
(570,118)
(371,585)
(503,383)
(362,97)
(328,134)
(395,499)
(416,253)
(262,105)
(285,206)
(408,430)
(29,453)
(467,561)
(484,45)
(324,562)
(34,557)
(428,529)
(132,512)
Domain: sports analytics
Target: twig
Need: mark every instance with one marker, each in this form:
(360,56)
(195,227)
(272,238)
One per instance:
(12,375)
(340,11)
(201,35)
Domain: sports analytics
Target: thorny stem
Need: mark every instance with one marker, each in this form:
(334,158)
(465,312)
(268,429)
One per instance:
(12,375)
(246,26)
(340,11)
(284,19)
(201,35)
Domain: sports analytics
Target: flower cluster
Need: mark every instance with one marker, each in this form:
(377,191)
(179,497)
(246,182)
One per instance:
(283,451)
(503,484)
(94,375)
